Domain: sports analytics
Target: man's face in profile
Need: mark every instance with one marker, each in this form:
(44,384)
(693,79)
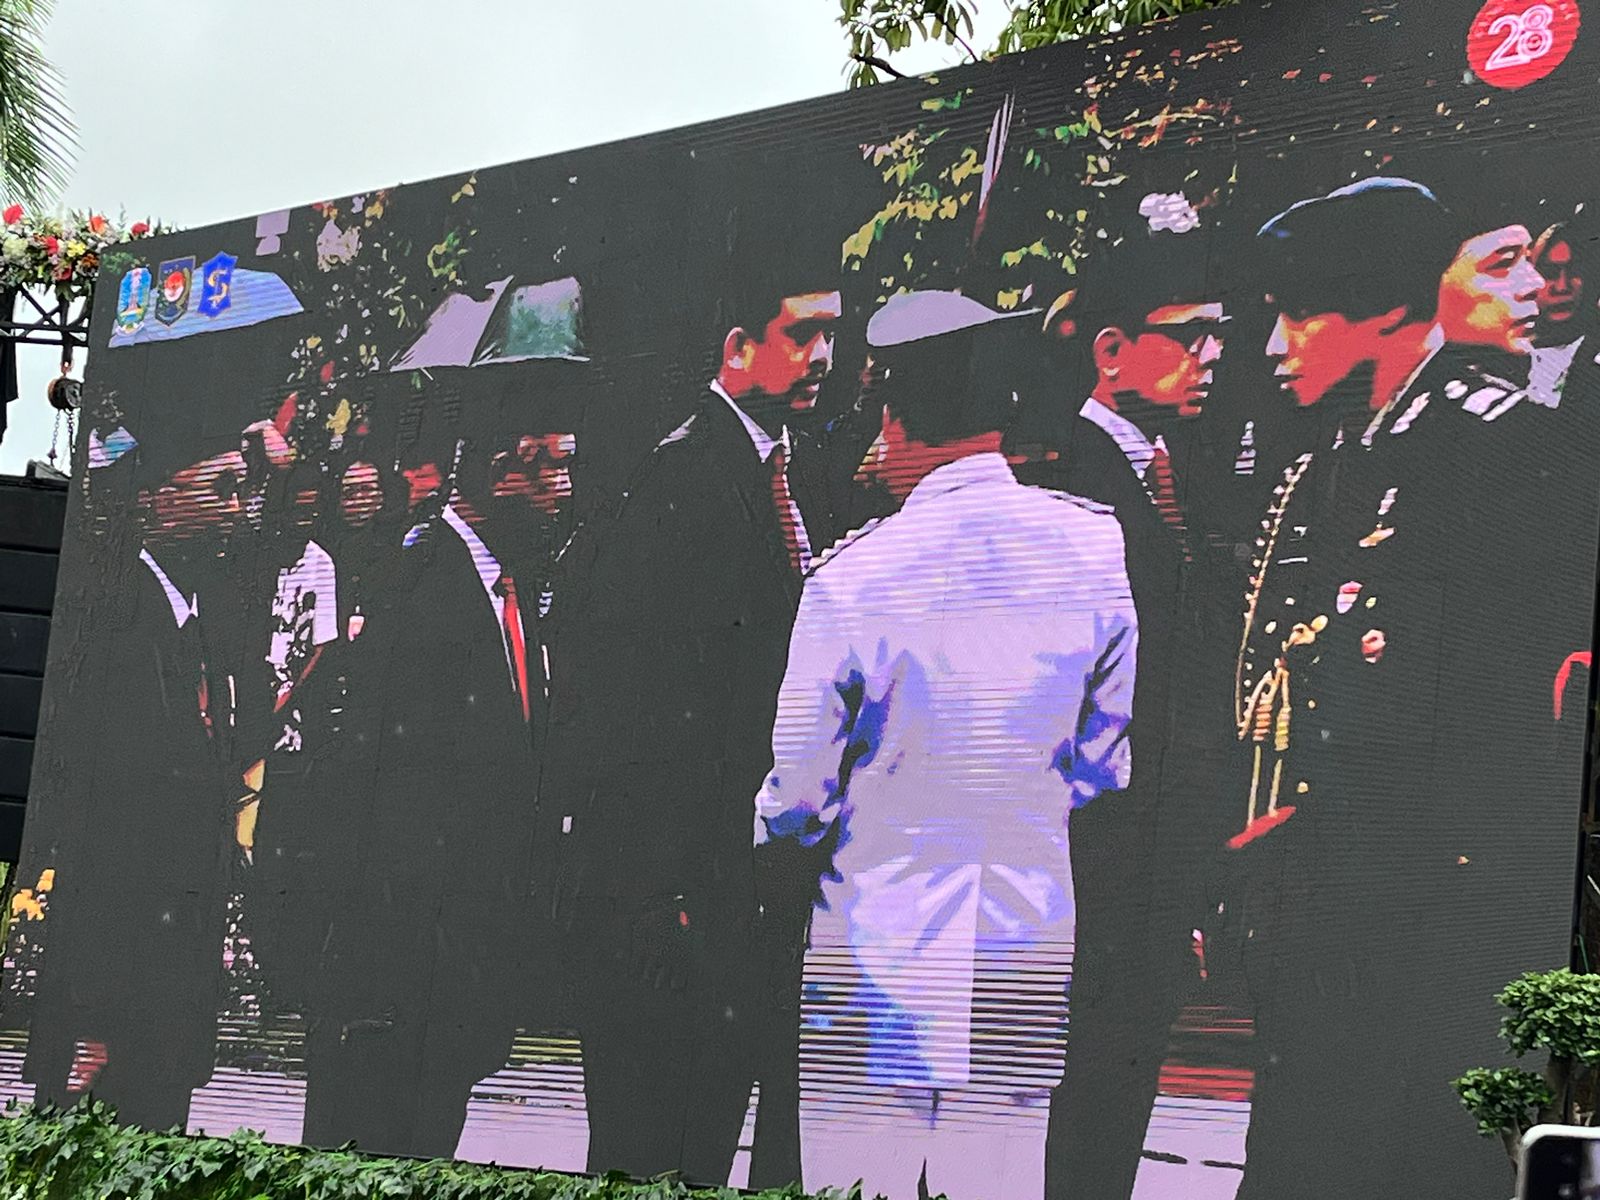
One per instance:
(360,494)
(1168,361)
(1313,352)
(791,357)
(1562,293)
(536,472)
(1489,293)
(423,480)
(201,499)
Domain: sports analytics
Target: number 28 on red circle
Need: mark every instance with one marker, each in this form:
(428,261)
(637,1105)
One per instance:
(1515,42)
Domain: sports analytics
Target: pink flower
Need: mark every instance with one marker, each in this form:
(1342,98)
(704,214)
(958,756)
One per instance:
(97,224)
(52,245)
(1169,211)
(140,228)
(12,215)
(1373,644)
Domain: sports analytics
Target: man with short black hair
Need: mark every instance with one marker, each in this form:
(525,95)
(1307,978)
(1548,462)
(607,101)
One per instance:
(1564,304)
(959,680)
(1151,320)
(423,970)
(1489,294)
(128,1001)
(671,619)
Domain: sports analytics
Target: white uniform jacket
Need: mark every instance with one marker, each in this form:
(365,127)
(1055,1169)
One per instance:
(960,677)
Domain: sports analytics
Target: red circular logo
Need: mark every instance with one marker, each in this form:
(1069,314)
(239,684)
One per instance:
(1515,42)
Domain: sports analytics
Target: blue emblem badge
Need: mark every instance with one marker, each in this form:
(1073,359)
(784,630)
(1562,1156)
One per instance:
(216,285)
(174,282)
(133,299)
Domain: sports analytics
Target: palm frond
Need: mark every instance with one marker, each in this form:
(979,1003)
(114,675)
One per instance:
(37,135)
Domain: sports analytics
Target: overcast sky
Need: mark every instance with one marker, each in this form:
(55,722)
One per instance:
(194,111)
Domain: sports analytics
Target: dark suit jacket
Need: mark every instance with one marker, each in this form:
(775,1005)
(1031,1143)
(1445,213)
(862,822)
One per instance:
(1185,603)
(134,950)
(671,628)
(310,827)
(671,632)
(432,929)
(1143,860)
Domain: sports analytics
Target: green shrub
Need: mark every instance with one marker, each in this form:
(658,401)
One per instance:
(1558,1013)
(48,1154)
(1503,1098)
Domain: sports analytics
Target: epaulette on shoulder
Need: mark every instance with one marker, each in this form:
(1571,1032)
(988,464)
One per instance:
(838,548)
(678,434)
(418,534)
(1487,397)
(1083,502)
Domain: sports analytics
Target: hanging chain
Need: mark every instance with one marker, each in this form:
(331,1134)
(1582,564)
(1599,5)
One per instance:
(64,398)
(55,433)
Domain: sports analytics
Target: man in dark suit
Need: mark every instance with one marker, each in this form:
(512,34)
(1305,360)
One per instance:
(127,1006)
(426,970)
(1151,325)
(671,629)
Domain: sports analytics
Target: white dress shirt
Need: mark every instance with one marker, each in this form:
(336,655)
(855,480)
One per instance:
(305,616)
(183,606)
(489,572)
(305,610)
(960,677)
(765,443)
(1139,450)
(1547,371)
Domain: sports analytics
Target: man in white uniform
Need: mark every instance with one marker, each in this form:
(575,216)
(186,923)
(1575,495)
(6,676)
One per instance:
(960,677)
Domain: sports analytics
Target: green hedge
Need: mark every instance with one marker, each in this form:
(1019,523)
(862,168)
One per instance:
(47,1154)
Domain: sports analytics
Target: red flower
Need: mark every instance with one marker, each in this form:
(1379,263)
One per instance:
(97,224)
(52,245)
(140,228)
(12,215)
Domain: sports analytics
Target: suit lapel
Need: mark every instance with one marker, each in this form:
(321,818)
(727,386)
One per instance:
(731,458)
(456,575)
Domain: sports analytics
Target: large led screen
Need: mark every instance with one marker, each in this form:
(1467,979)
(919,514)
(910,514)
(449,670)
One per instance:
(1020,633)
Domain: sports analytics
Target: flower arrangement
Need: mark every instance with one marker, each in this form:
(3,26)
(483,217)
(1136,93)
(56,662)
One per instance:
(61,252)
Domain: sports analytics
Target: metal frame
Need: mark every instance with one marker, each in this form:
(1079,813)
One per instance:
(60,321)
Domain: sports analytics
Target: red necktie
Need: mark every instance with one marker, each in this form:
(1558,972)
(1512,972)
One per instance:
(1163,488)
(786,511)
(203,695)
(511,617)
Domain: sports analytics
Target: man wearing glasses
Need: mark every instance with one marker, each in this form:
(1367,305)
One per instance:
(1148,329)
(1151,332)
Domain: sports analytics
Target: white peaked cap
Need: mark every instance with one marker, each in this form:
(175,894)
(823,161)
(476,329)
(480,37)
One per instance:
(918,316)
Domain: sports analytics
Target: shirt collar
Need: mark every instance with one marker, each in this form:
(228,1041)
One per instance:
(987,467)
(488,567)
(1548,367)
(1433,345)
(183,607)
(1139,450)
(759,437)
